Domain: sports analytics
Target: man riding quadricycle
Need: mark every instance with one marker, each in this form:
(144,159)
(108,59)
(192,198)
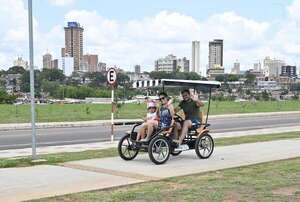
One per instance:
(165,132)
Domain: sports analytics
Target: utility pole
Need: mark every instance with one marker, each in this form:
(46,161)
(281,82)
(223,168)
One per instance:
(31,63)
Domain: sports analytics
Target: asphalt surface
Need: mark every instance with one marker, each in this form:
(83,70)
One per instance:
(63,136)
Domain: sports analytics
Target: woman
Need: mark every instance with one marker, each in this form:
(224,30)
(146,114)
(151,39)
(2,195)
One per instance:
(165,116)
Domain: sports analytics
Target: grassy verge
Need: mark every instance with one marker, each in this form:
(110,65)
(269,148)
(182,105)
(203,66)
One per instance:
(73,156)
(85,112)
(274,181)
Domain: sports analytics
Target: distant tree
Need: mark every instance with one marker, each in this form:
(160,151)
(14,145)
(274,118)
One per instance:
(220,78)
(250,79)
(5,98)
(232,77)
(16,70)
(52,75)
(265,95)
(122,79)
(97,79)
(25,81)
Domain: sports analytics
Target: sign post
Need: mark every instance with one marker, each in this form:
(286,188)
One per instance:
(31,64)
(111,80)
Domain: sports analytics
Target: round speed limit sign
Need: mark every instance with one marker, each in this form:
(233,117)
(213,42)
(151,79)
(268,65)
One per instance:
(111,76)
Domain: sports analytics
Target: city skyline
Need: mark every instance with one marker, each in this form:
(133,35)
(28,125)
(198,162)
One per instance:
(120,38)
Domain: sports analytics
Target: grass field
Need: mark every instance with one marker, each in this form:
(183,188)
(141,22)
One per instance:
(74,156)
(274,181)
(85,112)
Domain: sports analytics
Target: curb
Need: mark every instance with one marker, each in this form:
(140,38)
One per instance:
(120,122)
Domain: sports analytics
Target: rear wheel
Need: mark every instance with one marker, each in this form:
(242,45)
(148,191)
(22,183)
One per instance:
(126,149)
(204,146)
(159,149)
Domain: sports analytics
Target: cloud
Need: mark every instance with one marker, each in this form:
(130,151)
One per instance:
(61,2)
(144,40)
(141,41)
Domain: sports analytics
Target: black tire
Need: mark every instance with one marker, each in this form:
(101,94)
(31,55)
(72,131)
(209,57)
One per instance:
(175,153)
(125,148)
(204,143)
(158,146)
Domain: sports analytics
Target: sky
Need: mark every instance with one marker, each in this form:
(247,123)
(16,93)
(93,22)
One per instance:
(126,33)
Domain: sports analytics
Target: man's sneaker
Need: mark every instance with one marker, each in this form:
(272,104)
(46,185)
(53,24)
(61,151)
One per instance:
(182,147)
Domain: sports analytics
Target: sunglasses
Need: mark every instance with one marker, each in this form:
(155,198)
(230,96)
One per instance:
(161,98)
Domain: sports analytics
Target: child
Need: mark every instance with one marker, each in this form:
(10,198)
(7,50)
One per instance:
(151,119)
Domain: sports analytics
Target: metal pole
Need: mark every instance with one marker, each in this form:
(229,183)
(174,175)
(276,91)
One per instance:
(112,115)
(31,79)
(208,106)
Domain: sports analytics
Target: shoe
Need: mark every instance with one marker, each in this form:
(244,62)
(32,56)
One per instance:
(145,140)
(182,147)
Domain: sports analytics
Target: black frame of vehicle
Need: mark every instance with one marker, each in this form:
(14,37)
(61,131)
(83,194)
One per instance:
(160,146)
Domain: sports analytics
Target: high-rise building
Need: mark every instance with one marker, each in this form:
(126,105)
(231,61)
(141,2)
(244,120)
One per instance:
(183,65)
(289,71)
(74,43)
(102,67)
(137,69)
(67,65)
(257,67)
(215,58)
(92,62)
(272,67)
(54,64)
(21,63)
(47,61)
(196,57)
(236,68)
(63,52)
(166,64)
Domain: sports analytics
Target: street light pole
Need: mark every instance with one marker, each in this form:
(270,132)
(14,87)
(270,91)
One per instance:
(31,79)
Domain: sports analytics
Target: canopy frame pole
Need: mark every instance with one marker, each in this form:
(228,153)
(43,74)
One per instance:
(208,106)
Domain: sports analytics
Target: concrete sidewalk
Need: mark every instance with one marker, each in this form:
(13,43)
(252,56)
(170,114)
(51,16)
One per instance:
(105,145)
(19,184)
(22,126)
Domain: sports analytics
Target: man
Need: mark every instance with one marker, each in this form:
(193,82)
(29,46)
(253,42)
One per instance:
(191,109)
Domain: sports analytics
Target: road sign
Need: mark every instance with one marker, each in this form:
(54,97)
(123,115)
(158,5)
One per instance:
(111,76)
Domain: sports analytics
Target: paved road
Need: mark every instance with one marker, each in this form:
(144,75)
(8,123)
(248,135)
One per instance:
(63,136)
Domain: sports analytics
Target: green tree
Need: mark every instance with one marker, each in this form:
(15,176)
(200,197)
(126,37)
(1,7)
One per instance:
(97,79)
(16,70)
(122,79)
(52,75)
(220,78)
(25,82)
(5,98)
(250,79)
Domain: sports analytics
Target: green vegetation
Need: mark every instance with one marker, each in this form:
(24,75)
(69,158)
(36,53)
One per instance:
(85,112)
(273,181)
(73,156)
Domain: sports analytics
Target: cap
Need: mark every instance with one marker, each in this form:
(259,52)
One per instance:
(151,104)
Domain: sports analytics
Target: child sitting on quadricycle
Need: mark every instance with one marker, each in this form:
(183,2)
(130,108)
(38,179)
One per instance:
(150,120)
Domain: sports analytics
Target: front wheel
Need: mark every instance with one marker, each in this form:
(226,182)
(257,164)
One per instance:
(159,149)
(204,146)
(126,149)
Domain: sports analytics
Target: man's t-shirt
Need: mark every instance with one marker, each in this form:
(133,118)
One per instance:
(190,109)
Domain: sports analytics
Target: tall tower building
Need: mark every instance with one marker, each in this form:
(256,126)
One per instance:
(215,58)
(74,43)
(196,57)
(92,62)
(47,61)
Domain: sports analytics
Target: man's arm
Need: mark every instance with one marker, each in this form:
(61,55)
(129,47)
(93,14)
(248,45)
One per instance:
(199,103)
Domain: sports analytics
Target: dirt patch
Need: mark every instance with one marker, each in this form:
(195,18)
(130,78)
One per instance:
(176,186)
(287,191)
(233,197)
